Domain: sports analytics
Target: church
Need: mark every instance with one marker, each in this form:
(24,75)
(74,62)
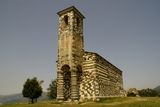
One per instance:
(82,75)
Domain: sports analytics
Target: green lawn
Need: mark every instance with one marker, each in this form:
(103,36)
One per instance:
(110,102)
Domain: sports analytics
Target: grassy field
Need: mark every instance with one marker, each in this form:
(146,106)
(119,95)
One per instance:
(110,102)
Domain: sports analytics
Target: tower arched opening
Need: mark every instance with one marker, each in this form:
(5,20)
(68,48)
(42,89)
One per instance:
(67,81)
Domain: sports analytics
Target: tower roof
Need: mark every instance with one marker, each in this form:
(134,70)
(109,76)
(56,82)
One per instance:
(72,8)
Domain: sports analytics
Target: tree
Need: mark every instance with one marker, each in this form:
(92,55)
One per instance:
(148,93)
(52,90)
(32,89)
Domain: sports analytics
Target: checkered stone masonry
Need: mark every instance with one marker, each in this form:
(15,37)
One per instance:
(100,78)
(89,85)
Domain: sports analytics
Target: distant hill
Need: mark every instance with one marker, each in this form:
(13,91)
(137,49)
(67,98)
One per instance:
(11,98)
(15,98)
(157,88)
(1,96)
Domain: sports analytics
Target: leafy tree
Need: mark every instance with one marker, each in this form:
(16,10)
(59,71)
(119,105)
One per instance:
(148,93)
(52,90)
(32,89)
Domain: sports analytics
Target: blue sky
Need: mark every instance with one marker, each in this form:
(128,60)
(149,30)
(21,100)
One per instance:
(125,32)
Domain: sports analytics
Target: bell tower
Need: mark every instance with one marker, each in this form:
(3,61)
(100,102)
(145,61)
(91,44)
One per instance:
(70,52)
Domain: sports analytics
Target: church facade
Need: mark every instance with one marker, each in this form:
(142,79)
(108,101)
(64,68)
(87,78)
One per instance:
(80,74)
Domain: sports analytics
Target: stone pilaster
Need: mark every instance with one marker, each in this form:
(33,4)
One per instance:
(60,86)
(74,90)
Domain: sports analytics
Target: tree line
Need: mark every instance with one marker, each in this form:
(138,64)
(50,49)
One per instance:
(143,93)
(32,90)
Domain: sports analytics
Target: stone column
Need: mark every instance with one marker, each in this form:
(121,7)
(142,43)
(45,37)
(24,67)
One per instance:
(74,90)
(60,86)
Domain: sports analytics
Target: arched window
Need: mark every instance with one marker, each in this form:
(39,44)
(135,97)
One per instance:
(66,19)
(78,21)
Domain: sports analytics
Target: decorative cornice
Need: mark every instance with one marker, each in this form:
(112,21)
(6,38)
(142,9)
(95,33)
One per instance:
(72,8)
(102,59)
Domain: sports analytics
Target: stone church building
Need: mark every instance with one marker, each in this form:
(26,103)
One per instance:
(80,74)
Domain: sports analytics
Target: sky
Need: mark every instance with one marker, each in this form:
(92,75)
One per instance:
(125,32)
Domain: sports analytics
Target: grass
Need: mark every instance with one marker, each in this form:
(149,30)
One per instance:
(109,102)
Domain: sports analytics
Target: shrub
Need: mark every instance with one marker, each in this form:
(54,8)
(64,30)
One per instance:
(159,95)
(131,94)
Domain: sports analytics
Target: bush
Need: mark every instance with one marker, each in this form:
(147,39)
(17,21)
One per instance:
(148,93)
(131,94)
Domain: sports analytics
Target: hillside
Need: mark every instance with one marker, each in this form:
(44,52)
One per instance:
(157,88)
(1,96)
(14,98)
(10,98)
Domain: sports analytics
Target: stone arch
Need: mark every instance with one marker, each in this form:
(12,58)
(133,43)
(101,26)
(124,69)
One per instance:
(65,67)
(67,81)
